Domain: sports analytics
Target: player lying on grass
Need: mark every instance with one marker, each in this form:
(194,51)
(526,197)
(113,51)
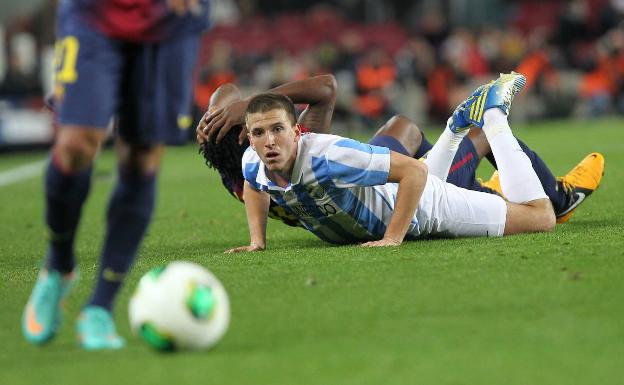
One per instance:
(347,192)
(225,118)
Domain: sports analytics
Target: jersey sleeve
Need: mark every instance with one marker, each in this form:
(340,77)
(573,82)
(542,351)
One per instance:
(251,165)
(351,163)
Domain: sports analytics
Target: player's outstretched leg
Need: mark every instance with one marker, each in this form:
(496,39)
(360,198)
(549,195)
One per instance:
(129,213)
(67,182)
(518,179)
(572,189)
(530,209)
(441,156)
(579,183)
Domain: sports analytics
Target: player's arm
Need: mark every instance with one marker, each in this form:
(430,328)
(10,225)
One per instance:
(257,208)
(411,175)
(318,92)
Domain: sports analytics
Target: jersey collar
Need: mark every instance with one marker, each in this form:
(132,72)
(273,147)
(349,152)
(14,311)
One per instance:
(295,177)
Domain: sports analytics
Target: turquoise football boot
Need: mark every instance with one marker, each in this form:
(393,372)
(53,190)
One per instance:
(96,329)
(43,313)
(496,94)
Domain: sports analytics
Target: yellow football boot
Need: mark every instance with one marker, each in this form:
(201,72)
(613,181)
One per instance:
(580,182)
(493,184)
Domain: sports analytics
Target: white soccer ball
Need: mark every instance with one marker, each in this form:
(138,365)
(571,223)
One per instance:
(179,306)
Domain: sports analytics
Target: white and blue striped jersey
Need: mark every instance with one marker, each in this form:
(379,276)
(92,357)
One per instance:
(339,189)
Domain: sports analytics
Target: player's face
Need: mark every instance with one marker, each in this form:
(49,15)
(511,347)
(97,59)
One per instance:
(274,137)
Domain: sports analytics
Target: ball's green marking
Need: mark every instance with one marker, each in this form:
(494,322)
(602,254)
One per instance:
(200,301)
(155,338)
(149,278)
(156,272)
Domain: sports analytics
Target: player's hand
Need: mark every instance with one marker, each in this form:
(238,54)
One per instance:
(243,249)
(382,243)
(199,130)
(221,121)
(181,7)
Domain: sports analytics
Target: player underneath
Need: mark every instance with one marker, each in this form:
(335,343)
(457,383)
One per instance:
(225,151)
(347,192)
(226,113)
(134,63)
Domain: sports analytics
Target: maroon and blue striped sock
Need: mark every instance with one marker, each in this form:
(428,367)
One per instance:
(65,194)
(129,213)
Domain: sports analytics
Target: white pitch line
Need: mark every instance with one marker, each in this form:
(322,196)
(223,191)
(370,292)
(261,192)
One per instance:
(21,173)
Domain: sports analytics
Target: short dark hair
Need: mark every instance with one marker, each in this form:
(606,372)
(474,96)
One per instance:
(269,101)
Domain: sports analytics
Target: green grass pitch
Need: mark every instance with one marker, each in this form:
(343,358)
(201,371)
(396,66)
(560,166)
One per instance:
(528,309)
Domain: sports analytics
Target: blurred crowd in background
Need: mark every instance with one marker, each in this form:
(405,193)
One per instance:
(418,58)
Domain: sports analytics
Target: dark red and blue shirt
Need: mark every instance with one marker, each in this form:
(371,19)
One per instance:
(137,20)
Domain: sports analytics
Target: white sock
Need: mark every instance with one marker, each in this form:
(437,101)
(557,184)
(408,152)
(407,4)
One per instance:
(518,179)
(441,155)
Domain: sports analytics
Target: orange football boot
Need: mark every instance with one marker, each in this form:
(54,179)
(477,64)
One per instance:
(580,182)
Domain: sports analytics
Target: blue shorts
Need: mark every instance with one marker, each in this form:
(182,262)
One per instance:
(388,142)
(146,87)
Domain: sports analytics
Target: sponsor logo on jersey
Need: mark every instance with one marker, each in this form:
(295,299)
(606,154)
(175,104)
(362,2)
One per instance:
(325,210)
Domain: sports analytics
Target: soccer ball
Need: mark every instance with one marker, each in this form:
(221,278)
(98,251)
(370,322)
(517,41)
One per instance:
(179,306)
